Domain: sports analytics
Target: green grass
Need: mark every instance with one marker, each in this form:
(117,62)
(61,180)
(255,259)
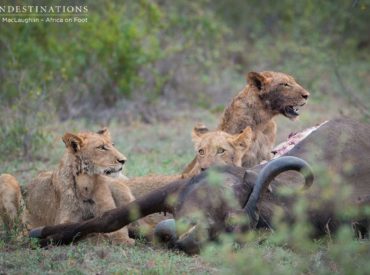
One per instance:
(165,148)
(100,259)
(175,53)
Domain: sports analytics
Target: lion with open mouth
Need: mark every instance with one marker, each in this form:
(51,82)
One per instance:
(266,95)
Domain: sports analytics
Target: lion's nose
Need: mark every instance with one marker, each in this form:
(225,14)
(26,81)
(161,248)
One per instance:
(203,169)
(305,95)
(122,161)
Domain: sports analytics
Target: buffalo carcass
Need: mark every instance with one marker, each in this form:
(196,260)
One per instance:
(339,148)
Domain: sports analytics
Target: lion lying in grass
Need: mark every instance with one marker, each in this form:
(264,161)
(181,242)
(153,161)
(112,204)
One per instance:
(79,188)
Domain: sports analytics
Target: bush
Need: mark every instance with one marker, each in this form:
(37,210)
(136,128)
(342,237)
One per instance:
(126,50)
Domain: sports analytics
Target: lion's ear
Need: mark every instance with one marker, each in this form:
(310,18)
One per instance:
(72,142)
(105,132)
(199,130)
(256,80)
(244,139)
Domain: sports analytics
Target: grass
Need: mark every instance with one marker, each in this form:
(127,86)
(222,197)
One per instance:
(163,148)
(100,259)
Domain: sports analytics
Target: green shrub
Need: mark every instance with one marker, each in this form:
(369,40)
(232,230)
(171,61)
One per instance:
(83,68)
(23,129)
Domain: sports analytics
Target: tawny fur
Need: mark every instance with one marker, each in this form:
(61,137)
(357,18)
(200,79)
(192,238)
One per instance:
(233,148)
(74,192)
(219,148)
(141,186)
(79,188)
(10,201)
(266,95)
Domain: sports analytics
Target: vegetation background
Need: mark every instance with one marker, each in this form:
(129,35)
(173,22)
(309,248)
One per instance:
(151,69)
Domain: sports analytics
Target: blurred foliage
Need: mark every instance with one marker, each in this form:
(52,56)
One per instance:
(291,248)
(186,51)
(87,66)
(340,24)
(262,256)
(195,52)
(120,39)
(322,44)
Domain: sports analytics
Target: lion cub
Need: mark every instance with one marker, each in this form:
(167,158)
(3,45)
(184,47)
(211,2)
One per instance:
(266,95)
(212,147)
(10,200)
(78,189)
(219,148)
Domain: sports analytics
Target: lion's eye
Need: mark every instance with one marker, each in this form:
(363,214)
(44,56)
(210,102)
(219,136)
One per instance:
(102,147)
(220,150)
(201,152)
(284,84)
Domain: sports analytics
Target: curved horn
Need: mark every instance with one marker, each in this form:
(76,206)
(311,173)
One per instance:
(190,242)
(268,173)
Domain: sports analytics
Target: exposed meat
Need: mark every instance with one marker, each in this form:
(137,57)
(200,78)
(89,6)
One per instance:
(293,139)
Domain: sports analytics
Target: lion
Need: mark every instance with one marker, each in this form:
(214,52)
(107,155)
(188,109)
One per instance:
(10,201)
(212,147)
(266,95)
(219,147)
(79,188)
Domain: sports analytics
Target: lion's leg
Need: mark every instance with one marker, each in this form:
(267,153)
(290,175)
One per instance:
(68,210)
(270,132)
(104,201)
(122,196)
(121,192)
(262,147)
(10,200)
(143,228)
(270,136)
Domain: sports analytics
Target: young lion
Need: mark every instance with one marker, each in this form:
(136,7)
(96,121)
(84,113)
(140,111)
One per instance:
(79,188)
(219,147)
(10,200)
(212,147)
(266,95)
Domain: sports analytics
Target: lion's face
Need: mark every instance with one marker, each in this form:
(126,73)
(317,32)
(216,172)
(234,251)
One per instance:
(278,92)
(220,148)
(95,152)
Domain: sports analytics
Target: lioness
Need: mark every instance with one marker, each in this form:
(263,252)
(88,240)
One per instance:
(266,95)
(79,189)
